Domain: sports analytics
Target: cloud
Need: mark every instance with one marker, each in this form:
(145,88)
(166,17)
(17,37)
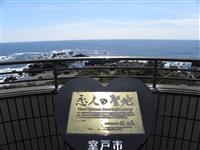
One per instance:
(166,22)
(177,22)
(173,23)
(186,28)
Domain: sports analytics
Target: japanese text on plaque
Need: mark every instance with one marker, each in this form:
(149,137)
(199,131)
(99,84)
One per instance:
(105,113)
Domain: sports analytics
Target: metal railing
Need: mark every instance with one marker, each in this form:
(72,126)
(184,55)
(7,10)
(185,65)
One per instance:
(154,68)
(27,119)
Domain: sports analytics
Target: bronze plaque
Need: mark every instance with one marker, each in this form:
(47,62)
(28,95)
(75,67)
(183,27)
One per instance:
(105,113)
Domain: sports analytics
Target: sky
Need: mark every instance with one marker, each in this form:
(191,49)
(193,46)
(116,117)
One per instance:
(48,20)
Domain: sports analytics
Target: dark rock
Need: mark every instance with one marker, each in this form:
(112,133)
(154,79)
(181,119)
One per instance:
(64,64)
(99,63)
(20,73)
(151,63)
(46,65)
(71,53)
(34,69)
(196,64)
(80,55)
(10,79)
(58,54)
(37,68)
(67,71)
(90,63)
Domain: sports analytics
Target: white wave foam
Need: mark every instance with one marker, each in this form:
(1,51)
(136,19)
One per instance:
(6,58)
(4,76)
(27,53)
(142,61)
(2,79)
(180,65)
(17,54)
(35,55)
(9,69)
(21,56)
(61,51)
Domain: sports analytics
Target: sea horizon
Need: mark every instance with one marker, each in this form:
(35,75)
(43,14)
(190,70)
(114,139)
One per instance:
(109,47)
(96,40)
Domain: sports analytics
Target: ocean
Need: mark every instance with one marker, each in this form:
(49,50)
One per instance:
(146,48)
(156,48)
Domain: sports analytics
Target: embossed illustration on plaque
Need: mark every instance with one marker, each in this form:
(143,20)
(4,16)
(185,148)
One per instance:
(105,113)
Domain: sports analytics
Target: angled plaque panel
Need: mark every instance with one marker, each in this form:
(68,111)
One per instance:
(105,113)
(90,116)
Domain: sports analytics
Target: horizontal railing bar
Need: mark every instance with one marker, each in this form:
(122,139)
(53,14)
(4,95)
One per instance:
(99,67)
(107,76)
(163,90)
(39,92)
(178,69)
(26,118)
(103,76)
(103,67)
(177,91)
(178,117)
(14,72)
(175,138)
(173,78)
(31,80)
(30,139)
(108,58)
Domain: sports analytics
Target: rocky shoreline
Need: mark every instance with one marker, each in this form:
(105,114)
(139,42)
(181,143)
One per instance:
(37,70)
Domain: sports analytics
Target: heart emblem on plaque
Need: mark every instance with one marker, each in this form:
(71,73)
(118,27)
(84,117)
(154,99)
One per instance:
(119,116)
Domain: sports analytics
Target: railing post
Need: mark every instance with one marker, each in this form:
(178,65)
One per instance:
(55,74)
(155,70)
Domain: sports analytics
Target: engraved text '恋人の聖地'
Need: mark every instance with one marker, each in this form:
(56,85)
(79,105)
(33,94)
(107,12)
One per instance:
(105,113)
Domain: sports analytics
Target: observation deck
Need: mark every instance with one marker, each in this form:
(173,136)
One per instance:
(27,97)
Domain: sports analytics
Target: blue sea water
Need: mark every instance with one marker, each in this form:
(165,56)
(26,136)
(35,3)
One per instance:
(146,48)
(155,48)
